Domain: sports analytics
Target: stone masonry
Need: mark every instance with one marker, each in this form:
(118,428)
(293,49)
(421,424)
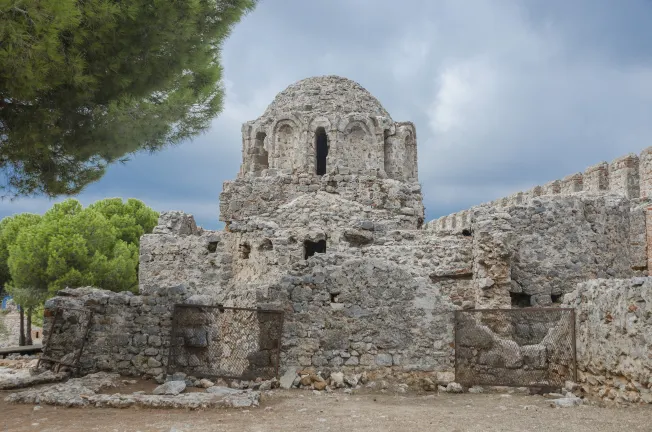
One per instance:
(325,221)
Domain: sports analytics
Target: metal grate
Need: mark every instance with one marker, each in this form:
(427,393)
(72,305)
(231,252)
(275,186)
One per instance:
(529,347)
(66,337)
(225,342)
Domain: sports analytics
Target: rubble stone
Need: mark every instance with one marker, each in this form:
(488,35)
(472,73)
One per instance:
(170,388)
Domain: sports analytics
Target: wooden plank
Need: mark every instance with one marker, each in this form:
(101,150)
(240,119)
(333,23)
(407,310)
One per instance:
(21,349)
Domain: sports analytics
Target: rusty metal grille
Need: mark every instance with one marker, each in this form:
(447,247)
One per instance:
(529,347)
(225,342)
(66,337)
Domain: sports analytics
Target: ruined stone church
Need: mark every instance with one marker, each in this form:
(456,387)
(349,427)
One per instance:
(325,221)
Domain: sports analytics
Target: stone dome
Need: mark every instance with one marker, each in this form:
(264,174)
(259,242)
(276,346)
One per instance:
(325,96)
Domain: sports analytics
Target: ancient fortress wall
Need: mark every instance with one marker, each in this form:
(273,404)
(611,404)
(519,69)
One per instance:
(532,254)
(129,334)
(614,337)
(629,176)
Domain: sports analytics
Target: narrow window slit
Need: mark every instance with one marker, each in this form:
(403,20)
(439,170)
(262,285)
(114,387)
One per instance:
(321,151)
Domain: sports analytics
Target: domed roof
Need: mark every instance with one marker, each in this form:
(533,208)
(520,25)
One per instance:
(325,95)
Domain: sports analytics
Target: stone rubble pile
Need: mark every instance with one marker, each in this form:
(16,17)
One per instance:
(20,378)
(79,392)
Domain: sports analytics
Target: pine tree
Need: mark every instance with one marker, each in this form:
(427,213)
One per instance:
(84,84)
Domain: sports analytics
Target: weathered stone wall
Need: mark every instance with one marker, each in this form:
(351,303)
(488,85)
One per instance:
(178,252)
(614,337)
(129,334)
(629,176)
(262,196)
(361,314)
(560,241)
(536,251)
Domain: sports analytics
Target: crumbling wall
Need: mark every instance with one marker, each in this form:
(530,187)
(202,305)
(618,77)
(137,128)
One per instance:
(560,241)
(261,196)
(362,314)
(614,337)
(129,334)
(533,253)
(522,347)
(629,176)
(178,252)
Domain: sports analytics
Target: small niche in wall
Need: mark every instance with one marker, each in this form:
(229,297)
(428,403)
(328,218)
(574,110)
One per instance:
(466,232)
(245,250)
(266,244)
(310,248)
(335,297)
(261,158)
(212,246)
(556,298)
(520,300)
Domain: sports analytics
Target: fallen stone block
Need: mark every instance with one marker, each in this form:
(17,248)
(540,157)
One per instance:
(22,378)
(170,388)
(566,402)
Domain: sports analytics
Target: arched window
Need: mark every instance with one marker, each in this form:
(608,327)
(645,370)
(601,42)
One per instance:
(387,154)
(321,151)
(261,158)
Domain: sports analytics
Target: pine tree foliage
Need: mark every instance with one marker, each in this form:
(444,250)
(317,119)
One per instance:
(85,83)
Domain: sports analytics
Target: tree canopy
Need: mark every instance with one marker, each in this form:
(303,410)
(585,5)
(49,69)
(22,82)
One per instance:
(75,246)
(10,227)
(83,84)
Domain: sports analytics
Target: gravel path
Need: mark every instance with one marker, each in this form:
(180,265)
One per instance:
(296,410)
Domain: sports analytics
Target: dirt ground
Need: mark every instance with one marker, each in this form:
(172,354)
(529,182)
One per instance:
(300,410)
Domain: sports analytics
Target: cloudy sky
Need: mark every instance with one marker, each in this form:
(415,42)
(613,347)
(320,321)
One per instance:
(505,94)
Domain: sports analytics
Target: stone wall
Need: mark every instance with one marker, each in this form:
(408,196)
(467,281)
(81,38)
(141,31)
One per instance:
(261,196)
(561,241)
(177,252)
(129,334)
(361,314)
(519,348)
(614,337)
(629,176)
(531,254)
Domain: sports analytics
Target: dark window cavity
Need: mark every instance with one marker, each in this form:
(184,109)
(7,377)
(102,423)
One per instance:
(321,151)
(310,248)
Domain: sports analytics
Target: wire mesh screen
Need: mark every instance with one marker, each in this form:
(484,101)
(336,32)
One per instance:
(65,337)
(529,347)
(216,341)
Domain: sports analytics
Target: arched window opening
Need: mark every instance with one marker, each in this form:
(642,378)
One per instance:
(387,153)
(410,166)
(261,157)
(321,151)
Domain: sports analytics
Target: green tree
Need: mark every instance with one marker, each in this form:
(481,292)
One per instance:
(72,246)
(86,83)
(132,219)
(10,228)
(75,246)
